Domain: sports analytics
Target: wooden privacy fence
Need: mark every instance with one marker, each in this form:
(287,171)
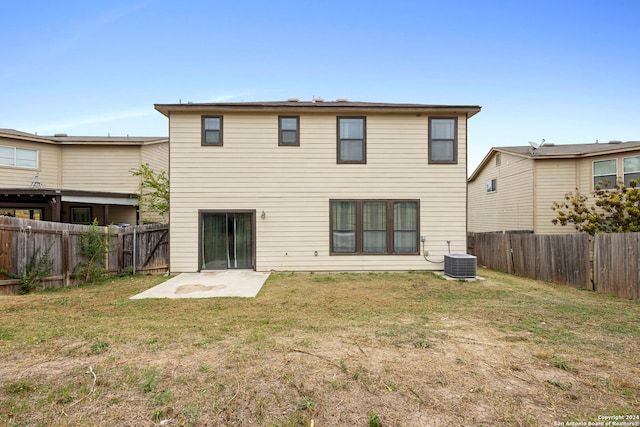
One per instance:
(616,264)
(557,258)
(143,248)
(612,268)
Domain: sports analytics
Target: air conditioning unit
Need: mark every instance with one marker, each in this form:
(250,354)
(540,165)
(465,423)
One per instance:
(460,266)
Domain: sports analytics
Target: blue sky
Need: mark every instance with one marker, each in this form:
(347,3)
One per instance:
(565,71)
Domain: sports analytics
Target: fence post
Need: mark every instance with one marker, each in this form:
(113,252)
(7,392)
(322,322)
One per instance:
(66,257)
(134,250)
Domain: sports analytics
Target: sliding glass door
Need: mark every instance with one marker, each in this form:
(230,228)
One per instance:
(227,240)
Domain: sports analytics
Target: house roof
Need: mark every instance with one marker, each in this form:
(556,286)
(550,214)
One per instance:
(560,151)
(317,105)
(77,140)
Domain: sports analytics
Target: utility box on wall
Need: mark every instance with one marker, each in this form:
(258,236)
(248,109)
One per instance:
(460,266)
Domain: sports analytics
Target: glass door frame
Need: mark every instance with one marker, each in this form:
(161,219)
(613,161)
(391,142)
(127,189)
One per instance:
(203,212)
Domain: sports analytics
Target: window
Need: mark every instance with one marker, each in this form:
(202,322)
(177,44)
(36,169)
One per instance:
(492,185)
(81,215)
(372,227)
(631,169)
(352,140)
(18,157)
(29,213)
(605,173)
(288,130)
(212,130)
(443,147)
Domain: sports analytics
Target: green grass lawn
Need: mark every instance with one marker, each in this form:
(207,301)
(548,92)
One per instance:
(391,349)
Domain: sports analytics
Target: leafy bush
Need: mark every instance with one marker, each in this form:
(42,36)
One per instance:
(614,210)
(93,247)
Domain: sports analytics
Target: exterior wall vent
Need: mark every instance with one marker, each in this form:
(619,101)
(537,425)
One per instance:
(460,266)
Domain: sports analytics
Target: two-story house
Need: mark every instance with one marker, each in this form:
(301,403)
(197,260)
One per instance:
(514,188)
(300,186)
(75,178)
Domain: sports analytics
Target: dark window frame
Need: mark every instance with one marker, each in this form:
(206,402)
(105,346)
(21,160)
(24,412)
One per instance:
(203,131)
(360,226)
(281,131)
(454,161)
(82,211)
(339,140)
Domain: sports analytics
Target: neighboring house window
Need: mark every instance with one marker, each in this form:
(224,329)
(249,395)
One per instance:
(631,170)
(29,213)
(372,227)
(443,146)
(81,215)
(605,173)
(289,131)
(18,157)
(352,140)
(212,130)
(492,185)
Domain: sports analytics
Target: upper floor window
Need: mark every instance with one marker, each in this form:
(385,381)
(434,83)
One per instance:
(374,227)
(443,146)
(492,185)
(605,174)
(212,130)
(289,130)
(631,170)
(352,140)
(18,157)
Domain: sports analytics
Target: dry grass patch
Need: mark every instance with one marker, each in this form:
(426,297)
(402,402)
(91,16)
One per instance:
(325,349)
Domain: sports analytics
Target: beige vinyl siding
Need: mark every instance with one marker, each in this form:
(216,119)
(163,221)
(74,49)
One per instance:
(511,206)
(156,155)
(19,177)
(554,178)
(100,168)
(293,186)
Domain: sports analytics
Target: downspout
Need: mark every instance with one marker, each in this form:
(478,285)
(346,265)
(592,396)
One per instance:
(466,177)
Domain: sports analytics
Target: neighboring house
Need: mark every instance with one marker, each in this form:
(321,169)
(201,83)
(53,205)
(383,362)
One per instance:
(514,188)
(346,186)
(74,179)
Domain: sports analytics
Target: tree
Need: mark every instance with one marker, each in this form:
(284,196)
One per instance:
(153,190)
(615,210)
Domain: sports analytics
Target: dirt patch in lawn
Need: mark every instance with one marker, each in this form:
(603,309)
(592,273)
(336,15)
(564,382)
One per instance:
(373,349)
